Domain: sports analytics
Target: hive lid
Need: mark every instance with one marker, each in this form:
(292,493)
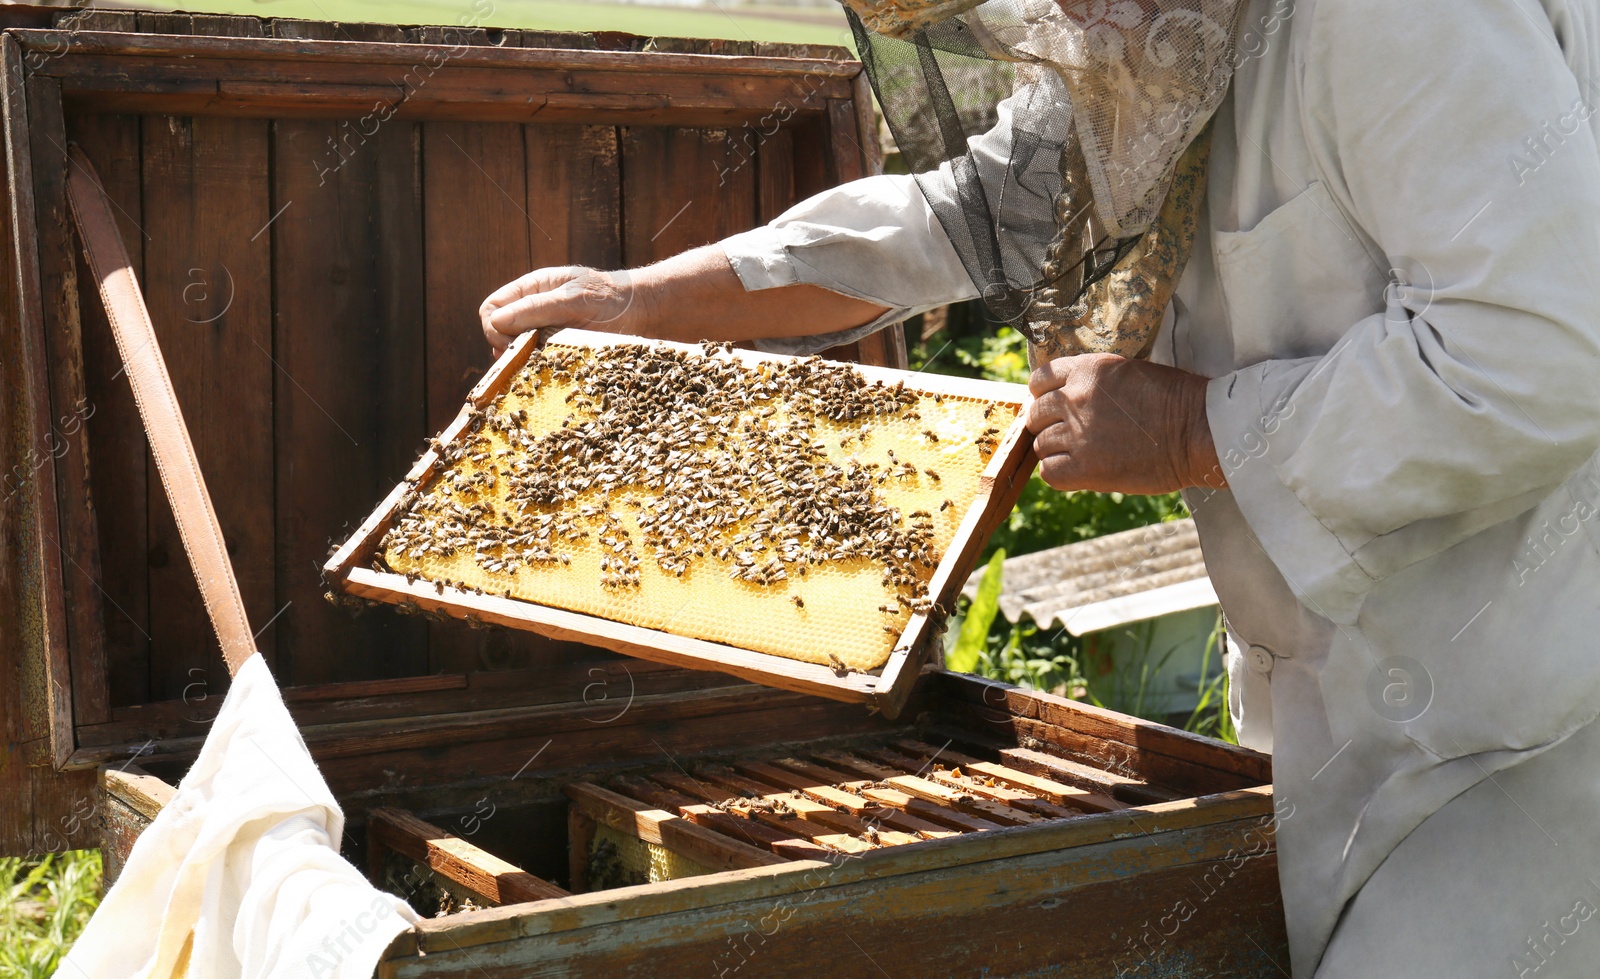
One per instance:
(773,584)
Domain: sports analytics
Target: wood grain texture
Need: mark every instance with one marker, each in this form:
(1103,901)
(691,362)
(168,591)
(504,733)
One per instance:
(39,808)
(76,537)
(1030,917)
(477,870)
(45,674)
(208,288)
(683,188)
(348,404)
(573,196)
(639,820)
(1101,724)
(116,440)
(478,226)
(1076,863)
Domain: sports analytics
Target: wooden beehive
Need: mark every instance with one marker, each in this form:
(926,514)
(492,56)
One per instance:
(313,233)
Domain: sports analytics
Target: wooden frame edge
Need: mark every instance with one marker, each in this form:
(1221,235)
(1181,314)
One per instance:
(453,858)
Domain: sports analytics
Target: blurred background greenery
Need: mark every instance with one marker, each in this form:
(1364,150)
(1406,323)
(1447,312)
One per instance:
(44,904)
(796,22)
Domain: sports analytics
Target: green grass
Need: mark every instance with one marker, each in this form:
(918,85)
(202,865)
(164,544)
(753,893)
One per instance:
(753,22)
(44,904)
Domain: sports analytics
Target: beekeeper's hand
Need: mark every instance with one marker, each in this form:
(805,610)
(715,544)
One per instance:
(689,297)
(1113,425)
(555,298)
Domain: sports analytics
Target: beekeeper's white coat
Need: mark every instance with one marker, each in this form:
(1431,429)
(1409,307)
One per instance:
(1399,301)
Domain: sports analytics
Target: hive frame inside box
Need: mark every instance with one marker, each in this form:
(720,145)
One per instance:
(1199,825)
(1000,485)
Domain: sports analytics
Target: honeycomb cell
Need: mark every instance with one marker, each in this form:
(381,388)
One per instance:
(701,496)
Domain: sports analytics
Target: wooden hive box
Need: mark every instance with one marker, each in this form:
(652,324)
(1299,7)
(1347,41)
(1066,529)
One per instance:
(315,211)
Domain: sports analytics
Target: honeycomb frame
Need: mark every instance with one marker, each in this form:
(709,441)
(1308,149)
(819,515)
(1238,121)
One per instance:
(353,570)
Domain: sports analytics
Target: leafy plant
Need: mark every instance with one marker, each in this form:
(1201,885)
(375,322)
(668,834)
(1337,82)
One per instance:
(1210,716)
(46,902)
(971,642)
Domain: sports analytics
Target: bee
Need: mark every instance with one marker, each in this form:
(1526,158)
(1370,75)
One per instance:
(928,433)
(839,669)
(798,601)
(988,410)
(932,475)
(947,504)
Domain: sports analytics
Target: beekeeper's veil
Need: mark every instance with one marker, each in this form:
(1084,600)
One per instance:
(1075,213)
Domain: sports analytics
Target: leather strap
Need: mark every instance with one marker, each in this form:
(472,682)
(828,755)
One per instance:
(158,407)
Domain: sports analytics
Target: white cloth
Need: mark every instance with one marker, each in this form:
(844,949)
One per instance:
(1400,305)
(240,876)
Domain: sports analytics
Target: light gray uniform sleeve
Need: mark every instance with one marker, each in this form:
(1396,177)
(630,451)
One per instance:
(878,240)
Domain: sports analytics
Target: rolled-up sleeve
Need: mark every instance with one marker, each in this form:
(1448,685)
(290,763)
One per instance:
(1459,141)
(879,240)
(873,239)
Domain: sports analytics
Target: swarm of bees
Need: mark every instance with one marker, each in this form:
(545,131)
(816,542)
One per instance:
(708,458)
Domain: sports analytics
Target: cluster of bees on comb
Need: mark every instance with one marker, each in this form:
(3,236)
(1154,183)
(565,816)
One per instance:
(710,458)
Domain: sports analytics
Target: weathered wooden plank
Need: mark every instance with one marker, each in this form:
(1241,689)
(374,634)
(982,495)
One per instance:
(1088,851)
(1105,725)
(711,792)
(611,685)
(705,847)
(574,196)
(785,845)
(76,536)
(226,25)
(900,775)
(683,188)
(476,869)
(1044,788)
(476,212)
(804,807)
(208,274)
(116,437)
(1188,778)
(40,807)
(1001,919)
(828,76)
(872,792)
(46,677)
(580,837)
(841,798)
(130,799)
(348,410)
(1115,784)
(1120,786)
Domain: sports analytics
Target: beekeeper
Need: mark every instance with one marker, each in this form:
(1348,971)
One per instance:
(1333,269)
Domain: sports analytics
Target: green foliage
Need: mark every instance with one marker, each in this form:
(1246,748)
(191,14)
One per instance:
(1020,654)
(980,617)
(47,901)
(1045,517)
(1210,716)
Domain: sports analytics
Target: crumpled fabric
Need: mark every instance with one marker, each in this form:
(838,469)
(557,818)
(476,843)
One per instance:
(240,876)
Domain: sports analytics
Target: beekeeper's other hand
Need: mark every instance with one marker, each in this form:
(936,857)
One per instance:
(1113,425)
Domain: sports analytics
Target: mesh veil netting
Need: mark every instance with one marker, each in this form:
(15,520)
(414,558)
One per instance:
(1098,102)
